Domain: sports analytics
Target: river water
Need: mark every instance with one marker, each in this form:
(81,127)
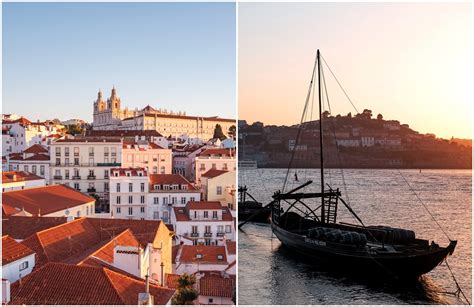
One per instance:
(269,274)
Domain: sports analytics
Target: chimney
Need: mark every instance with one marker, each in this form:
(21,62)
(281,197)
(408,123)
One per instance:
(5,291)
(146,298)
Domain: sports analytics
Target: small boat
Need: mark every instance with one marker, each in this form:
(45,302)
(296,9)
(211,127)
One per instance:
(251,209)
(314,232)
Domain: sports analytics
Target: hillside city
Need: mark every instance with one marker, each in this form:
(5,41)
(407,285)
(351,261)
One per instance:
(137,207)
(359,141)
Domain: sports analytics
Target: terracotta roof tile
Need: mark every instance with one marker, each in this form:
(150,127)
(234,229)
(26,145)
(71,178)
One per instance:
(203,254)
(8,177)
(163,179)
(213,173)
(221,152)
(123,133)
(231,247)
(172,280)
(203,205)
(45,200)
(182,214)
(36,148)
(12,250)
(133,171)
(21,227)
(65,284)
(216,286)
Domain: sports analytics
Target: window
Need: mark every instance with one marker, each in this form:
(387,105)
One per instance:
(66,174)
(156,200)
(118,186)
(208,229)
(130,210)
(213,166)
(142,187)
(155,170)
(165,216)
(118,210)
(23,265)
(203,167)
(91,161)
(76,151)
(220,229)
(195,214)
(211,300)
(224,167)
(114,151)
(78,213)
(162,158)
(206,214)
(219,190)
(142,199)
(118,200)
(130,199)
(155,158)
(220,257)
(130,187)
(106,151)
(25,168)
(183,200)
(142,209)
(42,170)
(76,186)
(165,200)
(58,151)
(33,169)
(174,200)
(194,229)
(58,161)
(106,174)
(162,170)
(87,210)
(66,161)
(191,198)
(76,161)
(66,151)
(214,214)
(106,186)
(227,229)
(91,151)
(156,215)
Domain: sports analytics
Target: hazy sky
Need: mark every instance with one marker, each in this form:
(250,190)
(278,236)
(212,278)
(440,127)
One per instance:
(408,61)
(177,56)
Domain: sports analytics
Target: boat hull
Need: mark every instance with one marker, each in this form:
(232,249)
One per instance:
(397,266)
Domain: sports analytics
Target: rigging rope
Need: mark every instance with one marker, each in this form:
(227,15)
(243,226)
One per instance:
(456,282)
(426,208)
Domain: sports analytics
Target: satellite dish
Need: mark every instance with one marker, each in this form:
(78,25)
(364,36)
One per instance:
(67,212)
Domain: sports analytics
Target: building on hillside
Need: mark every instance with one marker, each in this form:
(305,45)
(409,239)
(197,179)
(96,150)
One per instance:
(168,191)
(19,180)
(128,193)
(34,159)
(215,184)
(17,259)
(213,158)
(183,160)
(109,115)
(156,159)
(19,134)
(203,223)
(68,284)
(53,200)
(84,164)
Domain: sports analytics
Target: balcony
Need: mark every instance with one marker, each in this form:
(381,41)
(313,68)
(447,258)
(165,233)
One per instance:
(58,177)
(76,177)
(195,234)
(106,176)
(91,190)
(58,154)
(220,234)
(91,177)
(108,164)
(208,234)
(91,154)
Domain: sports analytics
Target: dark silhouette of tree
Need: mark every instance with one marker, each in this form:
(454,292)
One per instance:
(218,134)
(367,113)
(325,114)
(349,115)
(231,132)
(185,292)
(380,117)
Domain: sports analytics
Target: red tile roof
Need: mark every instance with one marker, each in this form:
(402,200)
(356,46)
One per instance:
(45,200)
(74,241)
(21,227)
(203,205)
(182,214)
(133,171)
(123,133)
(36,148)
(231,247)
(209,254)
(106,252)
(213,173)
(65,284)
(22,121)
(12,250)
(216,286)
(217,152)
(170,179)
(89,140)
(8,177)
(140,146)
(34,157)
(172,280)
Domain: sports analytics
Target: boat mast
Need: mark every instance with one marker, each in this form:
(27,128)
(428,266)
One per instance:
(323,213)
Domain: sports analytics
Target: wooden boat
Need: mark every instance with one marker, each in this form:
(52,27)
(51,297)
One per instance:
(251,209)
(315,233)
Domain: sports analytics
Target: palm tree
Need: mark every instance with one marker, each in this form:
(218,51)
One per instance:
(185,293)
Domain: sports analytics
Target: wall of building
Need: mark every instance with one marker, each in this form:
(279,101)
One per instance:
(11,271)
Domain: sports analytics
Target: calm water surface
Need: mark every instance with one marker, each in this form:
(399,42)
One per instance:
(269,274)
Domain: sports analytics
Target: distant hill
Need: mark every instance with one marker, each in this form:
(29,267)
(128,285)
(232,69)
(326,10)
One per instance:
(358,141)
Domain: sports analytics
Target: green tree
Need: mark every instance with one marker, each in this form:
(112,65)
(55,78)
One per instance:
(74,129)
(185,292)
(218,134)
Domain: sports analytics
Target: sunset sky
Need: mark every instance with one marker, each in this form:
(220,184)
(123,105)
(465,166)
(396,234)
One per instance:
(407,61)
